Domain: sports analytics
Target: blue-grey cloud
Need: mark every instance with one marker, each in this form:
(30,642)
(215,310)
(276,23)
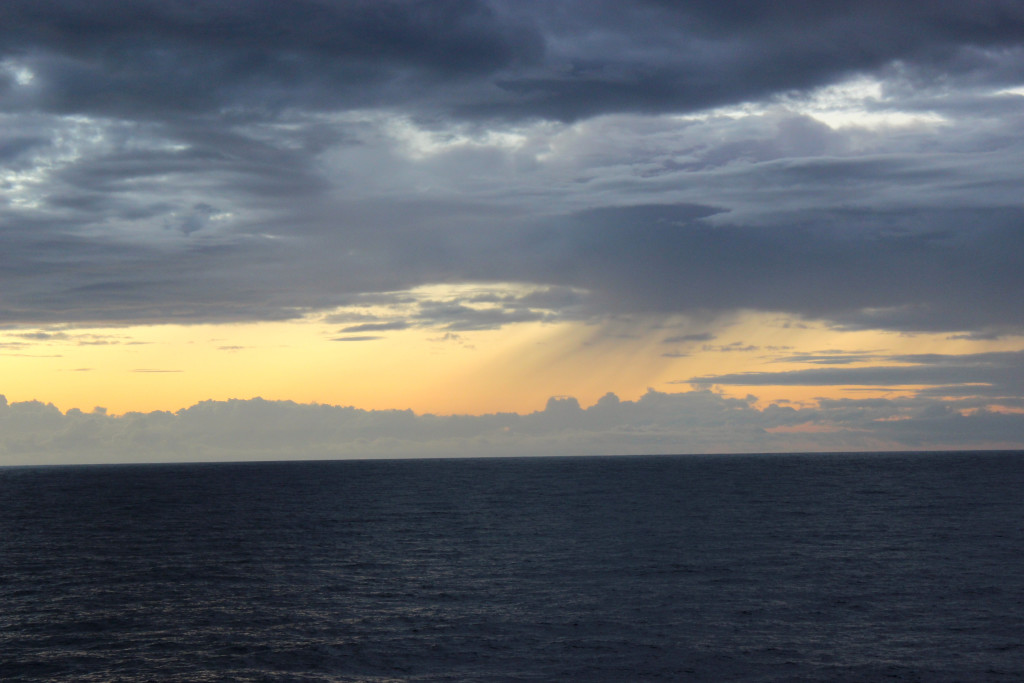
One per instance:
(691,422)
(861,273)
(199,161)
(356,338)
(680,338)
(993,375)
(565,59)
(377,327)
(827,358)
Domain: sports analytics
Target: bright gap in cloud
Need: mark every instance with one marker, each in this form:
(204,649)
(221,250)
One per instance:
(408,305)
(856,103)
(420,143)
(20,73)
(860,103)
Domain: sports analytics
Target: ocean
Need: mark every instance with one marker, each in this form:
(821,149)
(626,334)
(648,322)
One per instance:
(828,567)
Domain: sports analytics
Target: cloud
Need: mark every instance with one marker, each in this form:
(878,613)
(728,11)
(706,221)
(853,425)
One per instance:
(828,358)
(377,327)
(996,374)
(700,337)
(458,317)
(734,347)
(104,58)
(461,307)
(689,422)
(560,60)
(179,162)
(862,274)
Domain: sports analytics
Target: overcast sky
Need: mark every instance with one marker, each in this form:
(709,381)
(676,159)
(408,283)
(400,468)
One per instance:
(469,167)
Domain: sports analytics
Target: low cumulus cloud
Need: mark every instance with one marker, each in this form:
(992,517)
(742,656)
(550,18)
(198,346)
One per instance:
(33,433)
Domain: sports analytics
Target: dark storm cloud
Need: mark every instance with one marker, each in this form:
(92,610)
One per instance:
(565,59)
(868,271)
(163,58)
(172,160)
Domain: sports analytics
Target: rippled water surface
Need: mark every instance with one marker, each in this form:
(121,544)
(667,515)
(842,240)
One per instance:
(746,568)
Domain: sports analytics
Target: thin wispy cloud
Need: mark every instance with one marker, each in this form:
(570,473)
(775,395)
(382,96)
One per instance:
(999,374)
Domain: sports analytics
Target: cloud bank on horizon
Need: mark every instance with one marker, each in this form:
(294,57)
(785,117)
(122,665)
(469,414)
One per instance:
(693,422)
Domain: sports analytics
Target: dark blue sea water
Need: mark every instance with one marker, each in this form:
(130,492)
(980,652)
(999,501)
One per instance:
(728,568)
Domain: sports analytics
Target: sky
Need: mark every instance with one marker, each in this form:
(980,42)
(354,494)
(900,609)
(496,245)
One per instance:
(312,228)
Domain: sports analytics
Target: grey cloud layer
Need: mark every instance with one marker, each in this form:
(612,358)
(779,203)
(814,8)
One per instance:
(994,376)
(211,161)
(564,59)
(33,433)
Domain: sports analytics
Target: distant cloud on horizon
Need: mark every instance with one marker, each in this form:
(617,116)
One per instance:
(694,422)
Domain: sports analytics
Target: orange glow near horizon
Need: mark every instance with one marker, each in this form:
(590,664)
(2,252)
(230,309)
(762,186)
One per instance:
(512,369)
